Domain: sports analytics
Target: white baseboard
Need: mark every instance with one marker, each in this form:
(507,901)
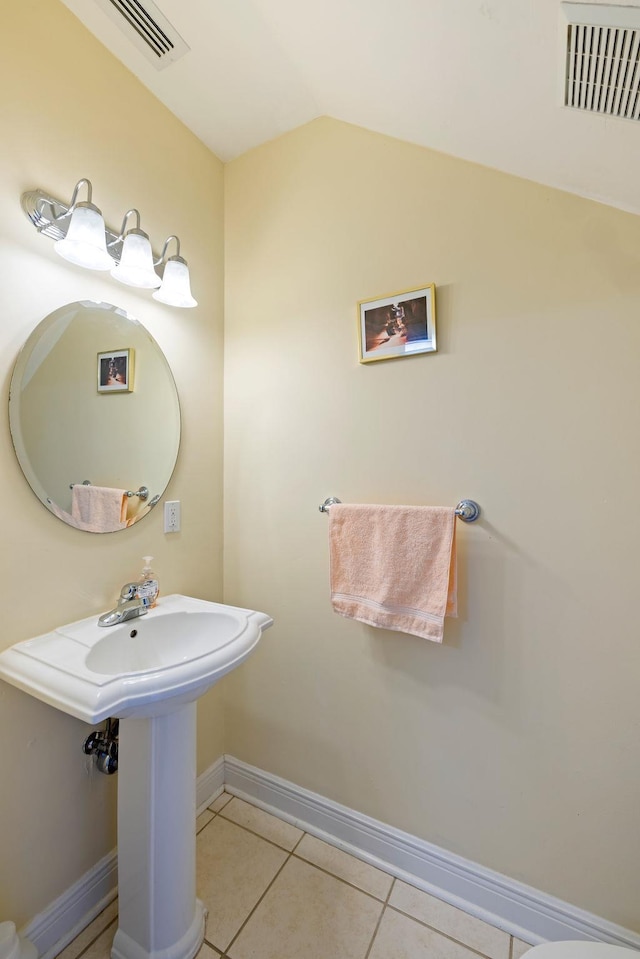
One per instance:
(520,910)
(70,913)
(524,912)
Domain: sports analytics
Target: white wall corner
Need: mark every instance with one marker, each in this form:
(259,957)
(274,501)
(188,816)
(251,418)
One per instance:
(209,785)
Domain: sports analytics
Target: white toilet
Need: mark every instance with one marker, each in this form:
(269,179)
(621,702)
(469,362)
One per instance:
(13,946)
(579,949)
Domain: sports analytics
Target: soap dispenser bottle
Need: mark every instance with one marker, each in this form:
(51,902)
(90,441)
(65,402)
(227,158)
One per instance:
(148,588)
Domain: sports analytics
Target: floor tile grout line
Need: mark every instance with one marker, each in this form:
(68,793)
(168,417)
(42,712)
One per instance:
(292,852)
(393,882)
(259,835)
(251,911)
(96,937)
(209,945)
(346,882)
(445,935)
(205,942)
(291,855)
(298,843)
(380,917)
(363,861)
(198,831)
(375,931)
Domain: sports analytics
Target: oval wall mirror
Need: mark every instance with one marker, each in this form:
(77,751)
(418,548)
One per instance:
(94,416)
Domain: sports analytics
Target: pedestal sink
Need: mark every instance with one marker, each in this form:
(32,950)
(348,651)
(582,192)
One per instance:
(147,672)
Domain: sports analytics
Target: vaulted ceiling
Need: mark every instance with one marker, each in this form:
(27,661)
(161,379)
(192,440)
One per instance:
(479,79)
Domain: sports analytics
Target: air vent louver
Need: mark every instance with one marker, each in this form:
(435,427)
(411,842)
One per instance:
(147,27)
(603,59)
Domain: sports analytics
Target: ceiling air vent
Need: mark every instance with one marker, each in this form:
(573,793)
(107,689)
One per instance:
(603,59)
(148,29)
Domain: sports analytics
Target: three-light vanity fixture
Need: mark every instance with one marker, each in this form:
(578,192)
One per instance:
(81,237)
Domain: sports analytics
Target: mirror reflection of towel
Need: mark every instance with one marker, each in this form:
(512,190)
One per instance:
(100,509)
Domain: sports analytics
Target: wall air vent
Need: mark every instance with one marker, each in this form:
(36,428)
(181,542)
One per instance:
(603,59)
(148,29)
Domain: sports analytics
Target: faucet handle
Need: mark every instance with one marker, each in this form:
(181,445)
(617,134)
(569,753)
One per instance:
(128,591)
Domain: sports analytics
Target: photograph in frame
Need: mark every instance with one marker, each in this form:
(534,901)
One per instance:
(400,324)
(115,371)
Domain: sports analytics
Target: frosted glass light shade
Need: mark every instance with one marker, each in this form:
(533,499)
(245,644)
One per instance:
(85,243)
(176,287)
(136,262)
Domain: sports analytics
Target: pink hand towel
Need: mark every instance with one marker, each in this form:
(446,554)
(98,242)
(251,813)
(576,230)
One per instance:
(98,509)
(394,566)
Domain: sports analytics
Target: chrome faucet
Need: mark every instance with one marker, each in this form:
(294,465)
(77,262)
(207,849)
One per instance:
(129,606)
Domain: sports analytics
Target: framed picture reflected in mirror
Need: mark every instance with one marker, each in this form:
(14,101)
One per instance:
(115,371)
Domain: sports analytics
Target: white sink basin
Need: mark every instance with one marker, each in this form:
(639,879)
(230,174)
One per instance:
(160,642)
(141,668)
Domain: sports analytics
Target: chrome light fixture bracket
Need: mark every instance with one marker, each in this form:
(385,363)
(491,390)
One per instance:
(52,218)
(46,213)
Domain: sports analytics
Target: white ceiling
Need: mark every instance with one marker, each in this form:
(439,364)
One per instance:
(478,79)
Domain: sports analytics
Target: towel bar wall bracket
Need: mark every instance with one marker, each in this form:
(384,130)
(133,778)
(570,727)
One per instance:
(467,509)
(324,508)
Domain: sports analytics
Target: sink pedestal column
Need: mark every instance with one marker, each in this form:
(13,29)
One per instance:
(159,915)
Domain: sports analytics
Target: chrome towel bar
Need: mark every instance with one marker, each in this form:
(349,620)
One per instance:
(467,509)
(143,492)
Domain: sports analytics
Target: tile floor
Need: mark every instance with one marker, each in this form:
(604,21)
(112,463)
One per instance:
(275,892)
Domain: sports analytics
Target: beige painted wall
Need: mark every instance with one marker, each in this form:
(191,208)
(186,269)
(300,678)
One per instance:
(69,110)
(515,743)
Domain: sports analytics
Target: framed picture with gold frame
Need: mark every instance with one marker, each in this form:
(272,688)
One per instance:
(115,371)
(399,324)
